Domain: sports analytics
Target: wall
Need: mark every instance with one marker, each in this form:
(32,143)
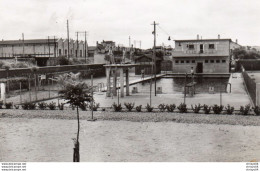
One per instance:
(207,67)
(51,69)
(250,85)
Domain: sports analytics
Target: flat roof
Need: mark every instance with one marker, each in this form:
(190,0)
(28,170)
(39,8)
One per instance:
(197,40)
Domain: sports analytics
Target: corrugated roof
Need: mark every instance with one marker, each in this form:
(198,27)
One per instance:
(31,41)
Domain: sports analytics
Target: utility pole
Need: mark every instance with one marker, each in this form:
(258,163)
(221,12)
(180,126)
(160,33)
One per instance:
(85,51)
(154,55)
(54,50)
(77,44)
(129,42)
(49,47)
(68,36)
(23,43)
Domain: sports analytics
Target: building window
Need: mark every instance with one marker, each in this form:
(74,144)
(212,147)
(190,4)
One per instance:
(217,61)
(59,51)
(190,46)
(206,61)
(65,51)
(211,61)
(193,61)
(176,61)
(211,46)
(223,61)
(182,62)
(187,61)
(80,53)
(179,44)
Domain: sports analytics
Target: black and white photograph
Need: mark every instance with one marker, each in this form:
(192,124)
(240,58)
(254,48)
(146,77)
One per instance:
(129,81)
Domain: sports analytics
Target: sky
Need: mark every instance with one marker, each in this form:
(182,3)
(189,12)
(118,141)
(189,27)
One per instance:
(116,20)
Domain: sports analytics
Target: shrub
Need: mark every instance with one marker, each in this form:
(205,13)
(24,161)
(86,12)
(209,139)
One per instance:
(29,106)
(229,109)
(244,110)
(138,108)
(162,107)
(182,108)
(42,105)
(16,106)
(52,106)
(62,60)
(1,104)
(8,105)
(61,106)
(129,106)
(257,110)
(149,108)
(83,106)
(171,107)
(217,109)
(117,108)
(196,109)
(95,106)
(206,109)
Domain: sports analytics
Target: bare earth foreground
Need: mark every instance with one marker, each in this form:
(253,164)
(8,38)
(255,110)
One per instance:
(50,140)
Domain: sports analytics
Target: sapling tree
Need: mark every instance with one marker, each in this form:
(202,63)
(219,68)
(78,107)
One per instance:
(76,93)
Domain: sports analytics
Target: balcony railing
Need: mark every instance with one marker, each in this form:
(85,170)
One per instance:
(208,51)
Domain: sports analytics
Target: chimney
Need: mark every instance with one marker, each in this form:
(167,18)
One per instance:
(198,37)
(218,36)
(236,41)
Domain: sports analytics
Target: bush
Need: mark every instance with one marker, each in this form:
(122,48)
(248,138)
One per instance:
(171,107)
(182,108)
(117,108)
(8,105)
(217,109)
(52,106)
(162,107)
(196,109)
(95,106)
(62,60)
(1,104)
(29,106)
(244,110)
(61,106)
(83,107)
(149,108)
(16,106)
(138,108)
(129,106)
(229,109)
(206,109)
(42,105)
(257,110)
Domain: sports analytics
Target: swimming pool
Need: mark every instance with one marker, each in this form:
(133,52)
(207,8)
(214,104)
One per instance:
(176,85)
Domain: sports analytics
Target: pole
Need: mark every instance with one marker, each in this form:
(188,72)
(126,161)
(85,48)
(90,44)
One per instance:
(77,44)
(49,88)
(185,88)
(35,86)
(68,34)
(20,92)
(85,47)
(129,42)
(54,51)
(92,96)
(154,56)
(220,96)
(23,44)
(151,91)
(118,93)
(30,89)
(49,47)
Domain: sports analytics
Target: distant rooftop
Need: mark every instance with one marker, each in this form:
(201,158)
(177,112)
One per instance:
(28,41)
(196,40)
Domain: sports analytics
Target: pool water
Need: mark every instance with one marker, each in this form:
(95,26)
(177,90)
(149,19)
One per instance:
(176,85)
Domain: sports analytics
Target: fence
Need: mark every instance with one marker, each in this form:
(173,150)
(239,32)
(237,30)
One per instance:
(250,85)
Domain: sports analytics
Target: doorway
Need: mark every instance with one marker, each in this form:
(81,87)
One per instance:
(199,67)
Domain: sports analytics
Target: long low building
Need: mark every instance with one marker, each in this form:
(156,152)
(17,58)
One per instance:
(203,55)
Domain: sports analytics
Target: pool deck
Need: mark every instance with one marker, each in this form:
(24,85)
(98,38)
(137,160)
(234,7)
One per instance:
(237,97)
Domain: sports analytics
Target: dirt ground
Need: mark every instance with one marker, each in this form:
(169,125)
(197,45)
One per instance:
(50,140)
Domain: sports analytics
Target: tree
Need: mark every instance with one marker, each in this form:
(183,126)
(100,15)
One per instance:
(76,93)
